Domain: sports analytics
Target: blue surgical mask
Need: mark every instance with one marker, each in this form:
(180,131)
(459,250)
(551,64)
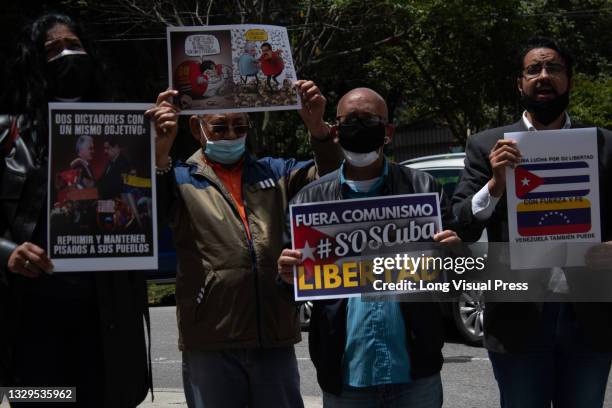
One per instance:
(224,151)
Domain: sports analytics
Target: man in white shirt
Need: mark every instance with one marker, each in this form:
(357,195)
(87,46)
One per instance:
(546,352)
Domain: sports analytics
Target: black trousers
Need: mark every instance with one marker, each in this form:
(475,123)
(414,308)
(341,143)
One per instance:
(58,343)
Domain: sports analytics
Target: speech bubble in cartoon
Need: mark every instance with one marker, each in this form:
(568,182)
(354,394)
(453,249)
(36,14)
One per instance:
(202,44)
(256,34)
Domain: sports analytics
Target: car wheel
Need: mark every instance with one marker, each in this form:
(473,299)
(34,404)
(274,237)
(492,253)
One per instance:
(468,317)
(305,313)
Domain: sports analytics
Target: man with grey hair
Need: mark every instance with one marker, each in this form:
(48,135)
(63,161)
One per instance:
(248,65)
(84,150)
(227,209)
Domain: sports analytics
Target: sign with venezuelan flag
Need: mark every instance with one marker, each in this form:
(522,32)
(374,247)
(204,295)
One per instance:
(101,195)
(553,198)
(340,239)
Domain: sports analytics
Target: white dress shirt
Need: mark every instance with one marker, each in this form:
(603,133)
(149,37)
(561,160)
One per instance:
(483,203)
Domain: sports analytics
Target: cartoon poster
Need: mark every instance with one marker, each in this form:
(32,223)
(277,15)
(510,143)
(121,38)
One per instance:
(553,198)
(231,68)
(101,190)
(341,240)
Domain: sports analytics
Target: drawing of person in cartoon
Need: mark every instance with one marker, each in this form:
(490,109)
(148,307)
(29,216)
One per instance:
(248,64)
(271,63)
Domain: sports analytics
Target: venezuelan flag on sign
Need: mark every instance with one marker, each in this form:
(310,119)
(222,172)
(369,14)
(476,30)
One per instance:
(568,217)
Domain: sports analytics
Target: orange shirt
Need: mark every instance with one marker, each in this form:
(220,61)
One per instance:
(232,180)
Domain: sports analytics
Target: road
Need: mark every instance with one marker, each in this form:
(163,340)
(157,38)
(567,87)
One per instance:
(467,377)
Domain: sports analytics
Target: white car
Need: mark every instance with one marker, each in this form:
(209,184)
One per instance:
(467,313)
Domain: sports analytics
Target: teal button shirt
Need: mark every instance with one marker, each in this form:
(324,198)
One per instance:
(375,352)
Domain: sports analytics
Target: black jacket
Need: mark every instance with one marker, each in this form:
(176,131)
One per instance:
(111,183)
(121,296)
(423,321)
(509,326)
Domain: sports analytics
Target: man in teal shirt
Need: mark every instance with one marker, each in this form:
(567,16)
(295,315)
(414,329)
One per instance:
(372,353)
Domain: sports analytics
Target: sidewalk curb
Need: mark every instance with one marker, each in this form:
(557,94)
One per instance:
(174,397)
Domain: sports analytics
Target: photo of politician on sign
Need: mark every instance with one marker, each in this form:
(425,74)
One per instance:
(101,195)
(340,239)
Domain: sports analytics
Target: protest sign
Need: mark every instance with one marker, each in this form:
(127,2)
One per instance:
(340,239)
(101,194)
(231,68)
(553,198)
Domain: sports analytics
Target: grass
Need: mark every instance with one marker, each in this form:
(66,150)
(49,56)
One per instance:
(161,294)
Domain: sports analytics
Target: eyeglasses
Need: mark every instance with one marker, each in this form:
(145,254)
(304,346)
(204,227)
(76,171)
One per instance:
(365,121)
(223,128)
(534,70)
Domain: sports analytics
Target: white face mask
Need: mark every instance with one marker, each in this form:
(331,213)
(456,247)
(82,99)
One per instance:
(361,159)
(66,52)
(362,186)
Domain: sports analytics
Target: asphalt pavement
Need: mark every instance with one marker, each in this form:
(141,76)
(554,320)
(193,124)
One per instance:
(467,377)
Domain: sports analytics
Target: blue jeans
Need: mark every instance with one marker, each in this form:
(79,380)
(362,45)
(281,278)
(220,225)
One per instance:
(558,367)
(242,378)
(421,393)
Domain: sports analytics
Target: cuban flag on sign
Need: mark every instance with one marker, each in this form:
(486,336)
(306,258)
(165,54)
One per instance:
(552,180)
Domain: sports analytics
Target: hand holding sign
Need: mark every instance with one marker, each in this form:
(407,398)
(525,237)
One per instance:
(447,236)
(313,108)
(287,260)
(29,260)
(504,154)
(599,256)
(165,116)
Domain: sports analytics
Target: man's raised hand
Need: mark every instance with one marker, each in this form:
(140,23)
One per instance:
(313,108)
(504,154)
(165,118)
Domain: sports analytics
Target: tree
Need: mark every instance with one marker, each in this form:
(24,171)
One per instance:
(591,101)
(442,63)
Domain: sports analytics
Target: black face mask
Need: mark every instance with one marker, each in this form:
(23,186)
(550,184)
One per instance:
(355,135)
(545,112)
(70,76)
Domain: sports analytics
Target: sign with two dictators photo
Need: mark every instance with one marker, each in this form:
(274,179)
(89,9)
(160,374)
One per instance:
(101,192)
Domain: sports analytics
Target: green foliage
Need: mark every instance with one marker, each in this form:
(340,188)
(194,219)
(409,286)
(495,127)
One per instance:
(443,63)
(591,100)
(161,294)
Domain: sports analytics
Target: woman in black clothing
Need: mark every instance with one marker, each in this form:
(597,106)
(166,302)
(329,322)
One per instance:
(81,330)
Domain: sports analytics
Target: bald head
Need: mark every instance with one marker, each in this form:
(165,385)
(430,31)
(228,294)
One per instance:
(362,101)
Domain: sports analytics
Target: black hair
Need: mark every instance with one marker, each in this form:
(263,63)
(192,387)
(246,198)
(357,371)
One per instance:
(206,65)
(266,45)
(112,140)
(28,91)
(543,42)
